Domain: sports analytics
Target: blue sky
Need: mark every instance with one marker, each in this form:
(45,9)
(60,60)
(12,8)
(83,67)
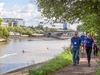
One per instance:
(25,9)
(11,3)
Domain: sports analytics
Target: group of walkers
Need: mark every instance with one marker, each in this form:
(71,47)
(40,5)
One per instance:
(82,44)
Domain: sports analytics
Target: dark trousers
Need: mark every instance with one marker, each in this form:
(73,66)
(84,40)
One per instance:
(95,50)
(88,51)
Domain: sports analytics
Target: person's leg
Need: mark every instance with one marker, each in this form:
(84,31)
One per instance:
(77,55)
(94,51)
(73,56)
(89,55)
(87,52)
(82,51)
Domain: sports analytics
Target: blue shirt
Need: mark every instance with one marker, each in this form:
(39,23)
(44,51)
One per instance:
(83,37)
(89,42)
(75,41)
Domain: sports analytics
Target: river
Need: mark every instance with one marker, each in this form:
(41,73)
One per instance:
(22,52)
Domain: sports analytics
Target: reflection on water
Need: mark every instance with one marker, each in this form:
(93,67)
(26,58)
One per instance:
(19,53)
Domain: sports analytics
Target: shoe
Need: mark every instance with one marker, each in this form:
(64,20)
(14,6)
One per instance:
(89,65)
(74,64)
(77,62)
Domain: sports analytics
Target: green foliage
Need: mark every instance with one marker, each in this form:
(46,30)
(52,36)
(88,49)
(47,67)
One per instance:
(41,32)
(54,64)
(10,29)
(85,11)
(97,71)
(0,21)
(4,32)
(28,31)
(80,28)
(98,53)
(1,34)
(68,10)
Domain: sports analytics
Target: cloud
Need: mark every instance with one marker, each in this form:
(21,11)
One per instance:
(29,13)
(1,5)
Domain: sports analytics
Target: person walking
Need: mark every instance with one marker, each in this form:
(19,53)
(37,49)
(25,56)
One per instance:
(83,37)
(95,47)
(89,45)
(75,46)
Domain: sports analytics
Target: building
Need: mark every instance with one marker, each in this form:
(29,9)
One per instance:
(4,24)
(65,26)
(14,21)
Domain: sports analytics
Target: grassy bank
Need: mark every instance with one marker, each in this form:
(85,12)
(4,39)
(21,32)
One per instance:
(59,61)
(97,71)
(98,53)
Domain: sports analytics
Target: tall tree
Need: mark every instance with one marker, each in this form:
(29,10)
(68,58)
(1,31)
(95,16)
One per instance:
(68,10)
(85,11)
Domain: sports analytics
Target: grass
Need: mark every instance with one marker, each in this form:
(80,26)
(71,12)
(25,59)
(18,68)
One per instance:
(59,61)
(98,53)
(97,70)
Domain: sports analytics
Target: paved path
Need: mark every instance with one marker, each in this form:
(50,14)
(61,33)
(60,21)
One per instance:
(81,69)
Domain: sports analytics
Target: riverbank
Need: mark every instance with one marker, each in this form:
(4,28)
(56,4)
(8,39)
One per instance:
(24,70)
(3,40)
(81,69)
(60,60)
(34,38)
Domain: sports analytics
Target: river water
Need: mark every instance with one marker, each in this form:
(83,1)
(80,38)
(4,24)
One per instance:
(35,50)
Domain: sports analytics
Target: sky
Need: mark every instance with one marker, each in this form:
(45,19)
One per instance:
(25,9)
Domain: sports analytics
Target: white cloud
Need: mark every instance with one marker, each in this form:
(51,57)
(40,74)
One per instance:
(29,13)
(1,5)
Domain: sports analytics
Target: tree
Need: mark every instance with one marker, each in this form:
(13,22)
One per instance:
(10,29)
(0,21)
(4,32)
(68,10)
(85,11)
(29,32)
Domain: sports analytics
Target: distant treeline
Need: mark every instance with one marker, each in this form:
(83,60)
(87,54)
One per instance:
(4,30)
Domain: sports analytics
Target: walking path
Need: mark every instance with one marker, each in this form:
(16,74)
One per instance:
(81,69)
